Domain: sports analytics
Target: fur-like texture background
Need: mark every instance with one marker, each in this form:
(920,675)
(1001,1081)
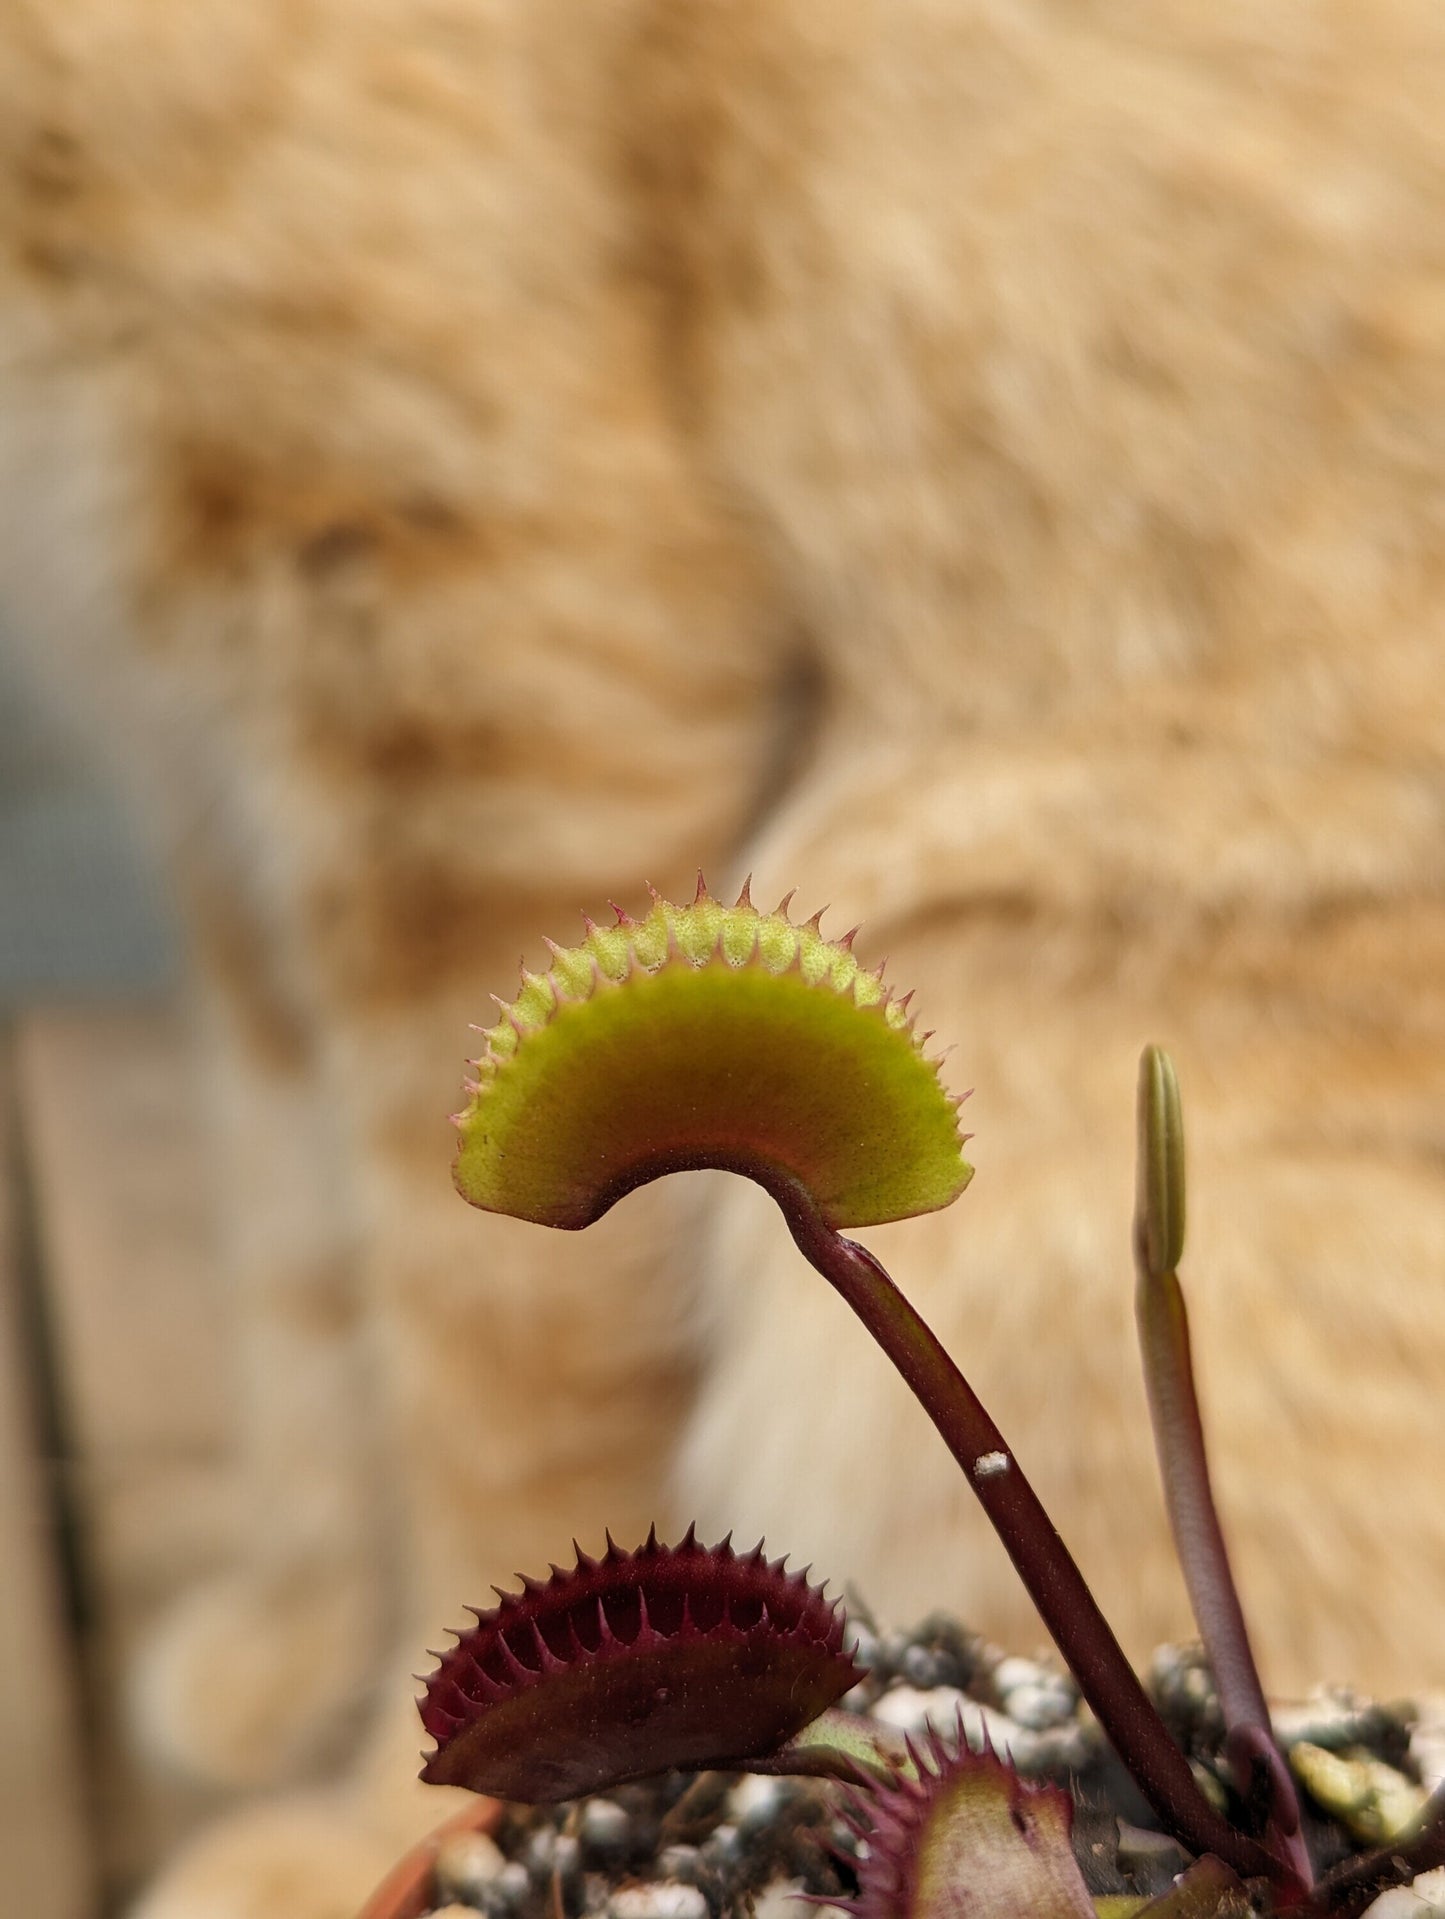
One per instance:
(982,462)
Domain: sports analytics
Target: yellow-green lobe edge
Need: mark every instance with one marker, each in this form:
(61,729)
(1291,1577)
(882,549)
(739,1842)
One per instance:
(707,1035)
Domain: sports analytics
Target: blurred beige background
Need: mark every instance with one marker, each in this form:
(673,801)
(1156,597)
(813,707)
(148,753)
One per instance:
(89,1457)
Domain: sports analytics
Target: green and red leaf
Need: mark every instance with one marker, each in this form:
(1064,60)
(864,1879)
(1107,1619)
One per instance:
(965,1838)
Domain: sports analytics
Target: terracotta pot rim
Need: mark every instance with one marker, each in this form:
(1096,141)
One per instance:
(405,1891)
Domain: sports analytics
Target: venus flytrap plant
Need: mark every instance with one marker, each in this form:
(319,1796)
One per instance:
(632,1663)
(966,1820)
(706,1035)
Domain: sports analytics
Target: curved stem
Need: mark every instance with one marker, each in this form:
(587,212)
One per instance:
(1184,1469)
(1260,1770)
(1054,1582)
(1199,1541)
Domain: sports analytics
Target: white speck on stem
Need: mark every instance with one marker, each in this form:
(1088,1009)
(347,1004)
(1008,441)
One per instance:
(990,1465)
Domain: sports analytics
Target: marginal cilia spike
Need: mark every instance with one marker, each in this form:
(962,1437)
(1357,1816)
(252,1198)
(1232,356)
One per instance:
(707,1035)
(964,1834)
(631,1663)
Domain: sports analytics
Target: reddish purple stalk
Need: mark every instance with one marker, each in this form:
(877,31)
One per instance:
(1258,1765)
(1054,1582)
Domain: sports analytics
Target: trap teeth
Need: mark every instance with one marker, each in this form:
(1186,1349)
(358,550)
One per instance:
(589,1081)
(503,1704)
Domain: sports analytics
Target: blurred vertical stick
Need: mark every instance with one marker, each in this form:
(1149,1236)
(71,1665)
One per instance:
(107,1103)
(46,1866)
